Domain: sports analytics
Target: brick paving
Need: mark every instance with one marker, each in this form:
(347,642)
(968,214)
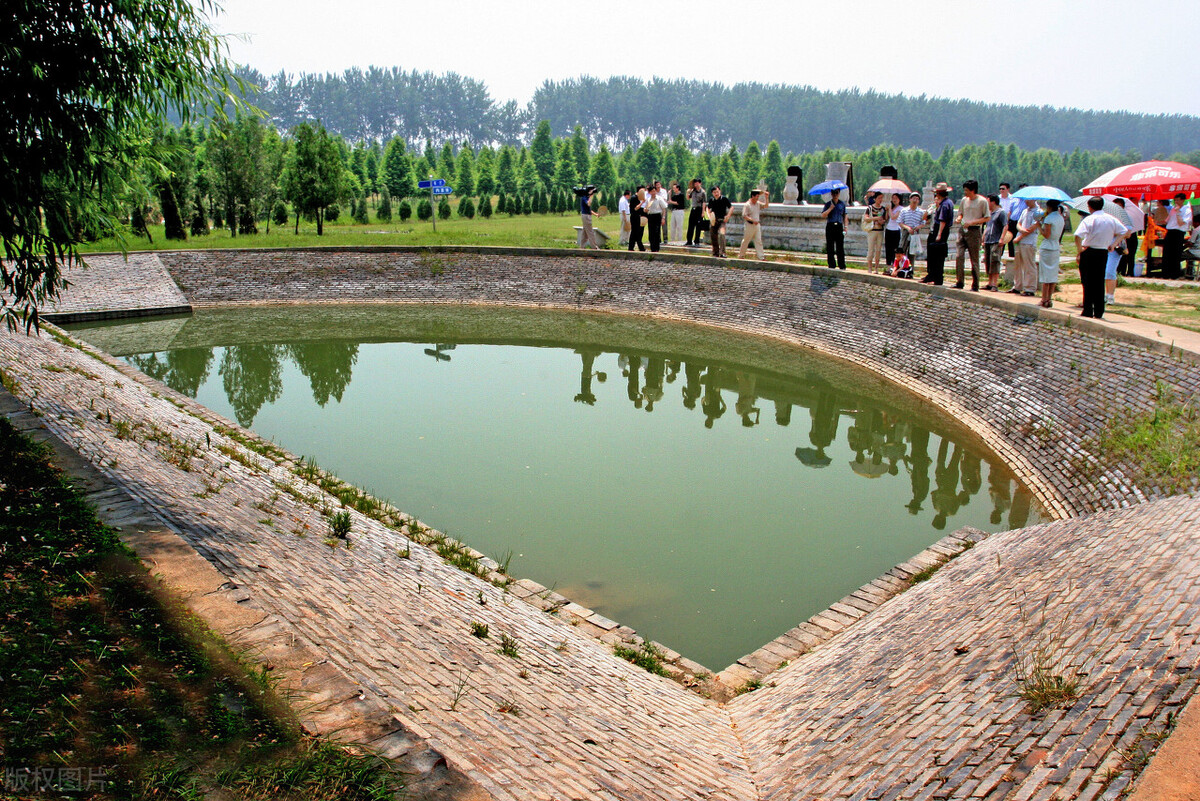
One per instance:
(915,700)
(113,286)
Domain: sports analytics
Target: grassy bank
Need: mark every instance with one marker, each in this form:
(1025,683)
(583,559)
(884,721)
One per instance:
(112,690)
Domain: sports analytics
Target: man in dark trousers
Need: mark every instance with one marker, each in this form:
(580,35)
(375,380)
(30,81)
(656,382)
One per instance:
(696,198)
(834,213)
(939,236)
(1097,235)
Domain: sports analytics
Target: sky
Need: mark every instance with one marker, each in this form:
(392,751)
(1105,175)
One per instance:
(1095,54)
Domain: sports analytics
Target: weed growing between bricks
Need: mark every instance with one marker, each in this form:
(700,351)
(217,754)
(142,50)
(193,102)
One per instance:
(113,690)
(1162,442)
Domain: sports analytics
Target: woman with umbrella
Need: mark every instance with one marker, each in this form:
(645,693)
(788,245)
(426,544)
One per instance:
(1050,249)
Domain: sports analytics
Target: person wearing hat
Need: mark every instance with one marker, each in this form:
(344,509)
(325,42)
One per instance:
(939,235)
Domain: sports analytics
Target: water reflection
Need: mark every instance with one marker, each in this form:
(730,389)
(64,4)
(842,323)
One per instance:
(883,441)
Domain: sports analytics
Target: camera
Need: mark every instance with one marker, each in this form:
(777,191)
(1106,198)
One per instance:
(583,191)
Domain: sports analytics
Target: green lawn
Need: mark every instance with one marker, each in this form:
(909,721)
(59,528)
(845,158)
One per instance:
(534,230)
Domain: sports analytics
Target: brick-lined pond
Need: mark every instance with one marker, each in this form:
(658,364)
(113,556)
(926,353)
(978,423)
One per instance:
(709,489)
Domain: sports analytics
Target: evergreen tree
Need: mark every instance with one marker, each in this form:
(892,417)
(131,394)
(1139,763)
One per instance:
(751,168)
(727,177)
(372,170)
(464,182)
(683,160)
(501,204)
(485,207)
(384,211)
(466,208)
(506,171)
(445,164)
(405,210)
(485,169)
(649,161)
(604,174)
(331,213)
(360,212)
(529,181)
(773,171)
(430,154)
(564,173)
(424,210)
(314,176)
(443,209)
(528,206)
(279,215)
(579,151)
(541,150)
(397,169)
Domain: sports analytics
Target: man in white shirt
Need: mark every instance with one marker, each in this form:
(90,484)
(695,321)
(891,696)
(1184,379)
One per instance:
(1179,224)
(1012,207)
(1097,235)
(623,210)
(752,222)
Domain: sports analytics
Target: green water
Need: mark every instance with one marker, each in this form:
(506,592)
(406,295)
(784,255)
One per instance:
(710,490)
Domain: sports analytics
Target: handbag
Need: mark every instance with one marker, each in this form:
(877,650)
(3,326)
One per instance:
(1006,237)
(867,222)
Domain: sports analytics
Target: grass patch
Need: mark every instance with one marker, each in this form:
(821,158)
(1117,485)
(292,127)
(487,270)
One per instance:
(108,680)
(1161,443)
(646,656)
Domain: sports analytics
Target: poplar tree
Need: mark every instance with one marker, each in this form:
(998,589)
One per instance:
(773,171)
(579,150)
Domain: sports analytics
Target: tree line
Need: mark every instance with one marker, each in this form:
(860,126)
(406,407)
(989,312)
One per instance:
(380,103)
(239,172)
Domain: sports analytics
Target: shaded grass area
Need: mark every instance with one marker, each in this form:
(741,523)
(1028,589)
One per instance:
(111,690)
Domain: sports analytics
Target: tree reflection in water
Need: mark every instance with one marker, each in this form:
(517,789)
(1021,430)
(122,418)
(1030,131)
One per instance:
(884,441)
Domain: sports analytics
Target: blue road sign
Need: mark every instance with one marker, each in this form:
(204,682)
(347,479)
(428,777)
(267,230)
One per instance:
(442,190)
(431,183)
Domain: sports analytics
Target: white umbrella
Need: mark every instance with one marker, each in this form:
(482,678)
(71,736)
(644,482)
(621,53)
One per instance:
(1136,215)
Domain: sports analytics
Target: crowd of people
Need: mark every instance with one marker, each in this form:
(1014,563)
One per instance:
(902,232)
(658,213)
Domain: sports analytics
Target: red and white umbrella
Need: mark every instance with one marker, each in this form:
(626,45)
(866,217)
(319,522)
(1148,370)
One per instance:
(1152,180)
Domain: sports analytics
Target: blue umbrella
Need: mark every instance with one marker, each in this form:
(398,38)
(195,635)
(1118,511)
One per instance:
(1043,193)
(826,187)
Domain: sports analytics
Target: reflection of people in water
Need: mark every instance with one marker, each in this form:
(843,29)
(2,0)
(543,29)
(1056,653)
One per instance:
(783,412)
(713,405)
(825,416)
(945,493)
(919,462)
(691,385)
(672,370)
(971,478)
(585,395)
(745,407)
(653,389)
(630,366)
(1018,516)
(998,488)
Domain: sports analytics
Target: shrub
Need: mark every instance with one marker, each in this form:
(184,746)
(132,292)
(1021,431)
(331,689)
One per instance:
(384,212)
(501,204)
(279,215)
(360,212)
(466,208)
(485,207)
(404,210)
(424,210)
(332,212)
(444,209)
